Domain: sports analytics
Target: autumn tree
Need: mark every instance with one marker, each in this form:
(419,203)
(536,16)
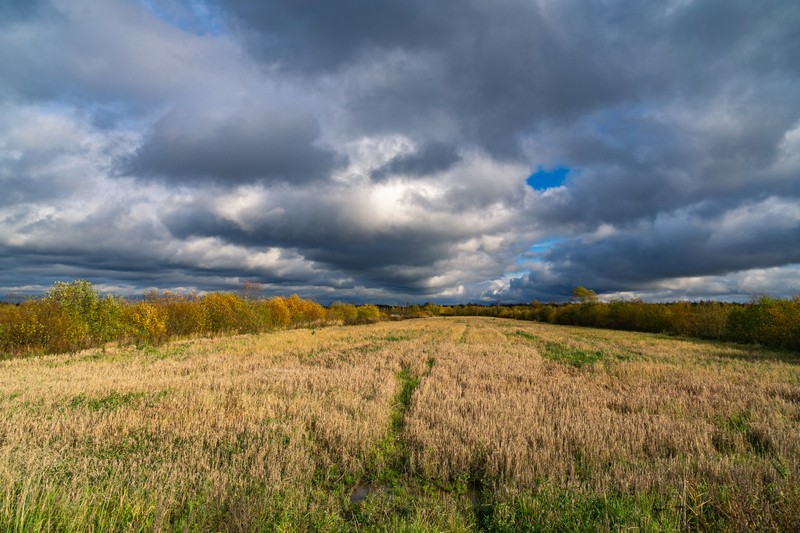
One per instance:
(584,295)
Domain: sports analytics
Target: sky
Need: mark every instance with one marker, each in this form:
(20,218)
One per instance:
(402,150)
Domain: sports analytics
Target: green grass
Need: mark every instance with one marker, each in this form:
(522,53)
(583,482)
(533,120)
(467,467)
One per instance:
(740,424)
(526,335)
(564,353)
(550,509)
(108,403)
(390,460)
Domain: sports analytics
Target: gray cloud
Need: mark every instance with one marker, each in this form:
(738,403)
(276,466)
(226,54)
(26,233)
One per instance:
(674,246)
(326,37)
(253,144)
(381,149)
(494,68)
(431,159)
(501,71)
(329,227)
(19,10)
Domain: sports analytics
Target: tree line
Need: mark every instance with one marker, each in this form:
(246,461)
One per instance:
(766,321)
(73,316)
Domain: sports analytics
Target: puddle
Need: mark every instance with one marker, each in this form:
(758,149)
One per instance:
(474,493)
(480,506)
(362,490)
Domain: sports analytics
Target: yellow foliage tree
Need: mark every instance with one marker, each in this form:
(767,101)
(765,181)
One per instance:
(147,323)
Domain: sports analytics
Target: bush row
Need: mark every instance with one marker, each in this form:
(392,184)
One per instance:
(773,322)
(73,316)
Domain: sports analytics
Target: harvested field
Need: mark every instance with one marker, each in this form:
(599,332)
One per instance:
(441,424)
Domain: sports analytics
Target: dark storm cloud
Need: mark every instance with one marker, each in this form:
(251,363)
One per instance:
(259,137)
(311,36)
(267,145)
(641,166)
(91,248)
(431,159)
(656,253)
(504,69)
(680,245)
(42,155)
(495,68)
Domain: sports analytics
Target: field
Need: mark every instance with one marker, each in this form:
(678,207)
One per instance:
(435,424)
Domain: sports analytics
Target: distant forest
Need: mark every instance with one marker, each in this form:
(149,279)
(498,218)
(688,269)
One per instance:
(73,315)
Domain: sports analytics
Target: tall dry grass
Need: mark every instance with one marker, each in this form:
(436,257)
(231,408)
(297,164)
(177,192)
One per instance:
(612,412)
(236,424)
(503,425)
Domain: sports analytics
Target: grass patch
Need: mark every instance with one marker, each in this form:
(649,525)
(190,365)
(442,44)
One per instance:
(571,355)
(551,509)
(115,400)
(390,461)
(563,353)
(109,402)
(526,335)
(737,433)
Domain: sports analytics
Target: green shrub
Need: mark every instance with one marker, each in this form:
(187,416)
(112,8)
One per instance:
(47,327)
(186,316)
(77,297)
(368,313)
(108,323)
(261,314)
(342,312)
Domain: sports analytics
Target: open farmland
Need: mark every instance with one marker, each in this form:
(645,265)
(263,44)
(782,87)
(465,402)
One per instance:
(441,424)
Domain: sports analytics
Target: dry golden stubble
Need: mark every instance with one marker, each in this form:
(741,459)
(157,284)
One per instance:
(641,422)
(282,409)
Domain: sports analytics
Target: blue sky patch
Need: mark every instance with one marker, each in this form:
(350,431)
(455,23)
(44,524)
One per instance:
(537,251)
(192,16)
(547,179)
